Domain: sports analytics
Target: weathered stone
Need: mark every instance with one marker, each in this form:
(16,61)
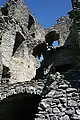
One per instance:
(78,102)
(66,117)
(70,111)
(40,116)
(63,100)
(53,118)
(44,105)
(62,109)
(63,86)
(71,90)
(56,111)
(49,110)
(72,103)
(50,94)
(78,111)
(57,101)
(56,80)
(54,85)
(75,117)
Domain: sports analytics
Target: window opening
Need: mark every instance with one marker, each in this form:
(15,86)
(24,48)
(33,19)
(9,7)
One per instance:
(52,38)
(55,43)
(18,41)
(30,22)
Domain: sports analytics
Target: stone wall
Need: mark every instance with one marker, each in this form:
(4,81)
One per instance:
(32,87)
(57,79)
(62,99)
(19,34)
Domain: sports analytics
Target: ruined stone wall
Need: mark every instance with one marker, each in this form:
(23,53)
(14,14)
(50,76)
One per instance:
(19,34)
(62,28)
(62,99)
(31,87)
(59,87)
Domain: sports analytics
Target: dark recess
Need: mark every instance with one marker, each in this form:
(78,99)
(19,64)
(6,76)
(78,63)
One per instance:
(6,73)
(73,76)
(33,35)
(4,10)
(51,36)
(19,107)
(1,20)
(63,68)
(18,41)
(30,22)
(39,49)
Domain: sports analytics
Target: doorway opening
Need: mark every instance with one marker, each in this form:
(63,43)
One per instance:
(22,106)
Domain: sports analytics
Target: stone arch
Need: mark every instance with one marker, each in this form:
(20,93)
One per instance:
(21,106)
(51,37)
(31,22)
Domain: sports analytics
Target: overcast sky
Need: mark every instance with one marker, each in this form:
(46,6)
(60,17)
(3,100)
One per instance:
(47,11)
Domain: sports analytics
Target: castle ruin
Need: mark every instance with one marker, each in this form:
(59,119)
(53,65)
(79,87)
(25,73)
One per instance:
(31,89)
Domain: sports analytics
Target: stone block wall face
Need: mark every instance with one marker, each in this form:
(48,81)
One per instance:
(18,65)
(21,64)
(62,100)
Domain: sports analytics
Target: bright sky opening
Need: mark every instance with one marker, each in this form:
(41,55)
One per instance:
(47,11)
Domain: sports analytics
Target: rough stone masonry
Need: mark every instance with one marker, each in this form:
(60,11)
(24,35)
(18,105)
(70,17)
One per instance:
(31,89)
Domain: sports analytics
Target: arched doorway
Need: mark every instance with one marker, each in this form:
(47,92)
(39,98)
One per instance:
(52,38)
(19,107)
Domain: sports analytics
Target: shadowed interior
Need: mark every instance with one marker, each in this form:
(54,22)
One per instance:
(19,107)
(18,41)
(30,22)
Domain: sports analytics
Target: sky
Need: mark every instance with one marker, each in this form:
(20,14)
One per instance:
(47,11)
